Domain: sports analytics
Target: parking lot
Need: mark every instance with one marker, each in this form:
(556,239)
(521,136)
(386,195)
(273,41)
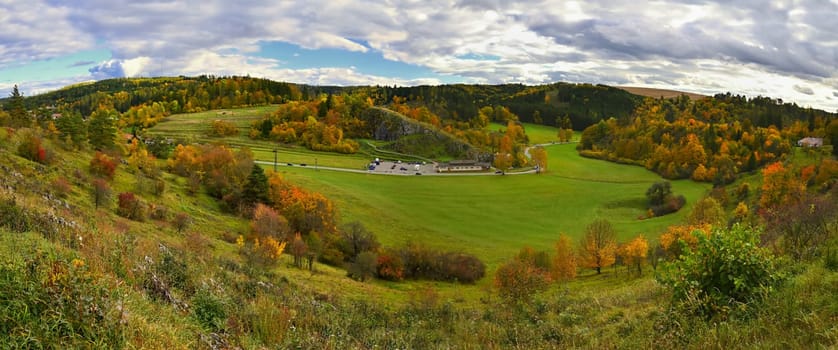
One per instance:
(403,168)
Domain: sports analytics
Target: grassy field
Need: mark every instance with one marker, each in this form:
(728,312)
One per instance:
(537,133)
(495,216)
(490,216)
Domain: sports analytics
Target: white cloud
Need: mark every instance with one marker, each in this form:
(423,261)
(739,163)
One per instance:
(749,47)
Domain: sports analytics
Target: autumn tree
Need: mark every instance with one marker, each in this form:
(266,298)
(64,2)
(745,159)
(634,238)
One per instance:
(658,192)
(101,192)
(299,248)
(707,211)
(780,187)
(364,266)
(564,262)
(539,157)
(102,165)
(181,222)
(267,223)
(634,253)
(519,281)
(598,247)
(357,239)
(676,237)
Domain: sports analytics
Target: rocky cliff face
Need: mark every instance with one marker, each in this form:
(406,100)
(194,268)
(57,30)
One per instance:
(412,137)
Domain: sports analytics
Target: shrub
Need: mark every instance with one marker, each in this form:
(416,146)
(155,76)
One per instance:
(389,267)
(519,281)
(61,187)
(222,128)
(209,310)
(462,267)
(421,262)
(364,266)
(51,300)
(102,165)
(129,206)
(726,272)
(31,147)
(158,211)
(181,222)
(101,192)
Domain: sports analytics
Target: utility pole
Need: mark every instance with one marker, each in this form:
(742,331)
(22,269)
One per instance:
(315,164)
(275,158)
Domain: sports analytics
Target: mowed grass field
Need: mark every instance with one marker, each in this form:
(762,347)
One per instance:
(490,216)
(495,216)
(193,127)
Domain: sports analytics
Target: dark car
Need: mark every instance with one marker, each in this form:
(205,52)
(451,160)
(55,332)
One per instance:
(418,173)
(302,164)
(403,169)
(290,164)
(499,172)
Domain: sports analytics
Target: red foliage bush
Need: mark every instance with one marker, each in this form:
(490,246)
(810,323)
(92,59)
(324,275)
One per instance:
(102,165)
(389,267)
(130,206)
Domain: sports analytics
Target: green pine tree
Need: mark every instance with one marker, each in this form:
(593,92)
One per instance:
(18,118)
(256,187)
(72,128)
(101,129)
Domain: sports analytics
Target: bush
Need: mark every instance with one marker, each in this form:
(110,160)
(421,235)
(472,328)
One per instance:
(726,272)
(389,267)
(51,300)
(671,204)
(222,128)
(519,281)
(31,147)
(102,165)
(421,262)
(364,266)
(129,206)
(181,222)
(61,187)
(209,310)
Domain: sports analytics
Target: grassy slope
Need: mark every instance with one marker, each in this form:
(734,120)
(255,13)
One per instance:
(495,216)
(193,127)
(492,217)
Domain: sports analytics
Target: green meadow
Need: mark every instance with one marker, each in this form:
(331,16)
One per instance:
(495,216)
(490,216)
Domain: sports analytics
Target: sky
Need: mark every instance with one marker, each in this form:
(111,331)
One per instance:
(781,49)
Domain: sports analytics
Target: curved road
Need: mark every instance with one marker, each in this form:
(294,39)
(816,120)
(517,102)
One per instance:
(361,171)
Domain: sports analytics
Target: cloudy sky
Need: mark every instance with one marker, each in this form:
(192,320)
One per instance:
(785,49)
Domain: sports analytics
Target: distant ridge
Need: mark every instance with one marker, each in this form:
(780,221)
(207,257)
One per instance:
(656,93)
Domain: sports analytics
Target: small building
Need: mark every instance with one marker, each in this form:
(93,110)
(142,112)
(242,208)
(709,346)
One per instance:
(810,142)
(462,166)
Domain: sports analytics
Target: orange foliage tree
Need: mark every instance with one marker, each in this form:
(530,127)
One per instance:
(539,157)
(670,239)
(564,262)
(598,247)
(780,187)
(634,253)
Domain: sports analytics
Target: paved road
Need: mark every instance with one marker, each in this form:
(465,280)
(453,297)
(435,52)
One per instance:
(360,171)
(410,173)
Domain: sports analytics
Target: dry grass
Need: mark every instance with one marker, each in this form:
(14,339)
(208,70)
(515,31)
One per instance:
(657,93)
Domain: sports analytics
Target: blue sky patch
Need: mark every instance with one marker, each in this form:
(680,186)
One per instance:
(76,64)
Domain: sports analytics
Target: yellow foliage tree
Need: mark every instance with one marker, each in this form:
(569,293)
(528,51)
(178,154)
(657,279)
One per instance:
(686,233)
(539,157)
(634,253)
(598,247)
(564,262)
